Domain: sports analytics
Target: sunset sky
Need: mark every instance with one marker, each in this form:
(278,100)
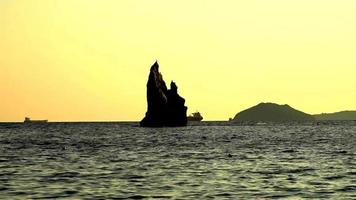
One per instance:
(88,60)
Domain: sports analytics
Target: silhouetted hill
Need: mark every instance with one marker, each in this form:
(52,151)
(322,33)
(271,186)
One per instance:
(272,112)
(343,115)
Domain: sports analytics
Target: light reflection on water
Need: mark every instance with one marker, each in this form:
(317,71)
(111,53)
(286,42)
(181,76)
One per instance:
(122,160)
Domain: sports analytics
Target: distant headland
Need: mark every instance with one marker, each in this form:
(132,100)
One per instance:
(342,116)
(272,112)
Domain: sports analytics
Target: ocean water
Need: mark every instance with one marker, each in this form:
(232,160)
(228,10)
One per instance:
(208,160)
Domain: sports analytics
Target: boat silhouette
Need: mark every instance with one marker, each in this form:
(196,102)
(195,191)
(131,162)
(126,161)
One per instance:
(196,116)
(29,120)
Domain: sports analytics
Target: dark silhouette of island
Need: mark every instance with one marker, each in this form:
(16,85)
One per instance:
(343,115)
(271,112)
(164,107)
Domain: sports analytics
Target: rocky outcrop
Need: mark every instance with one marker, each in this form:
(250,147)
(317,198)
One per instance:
(164,107)
(271,112)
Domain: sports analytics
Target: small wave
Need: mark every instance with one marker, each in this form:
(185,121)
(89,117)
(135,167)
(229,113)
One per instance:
(288,151)
(66,174)
(70,192)
(334,177)
(340,152)
(285,171)
(133,177)
(324,192)
(317,183)
(276,196)
(161,197)
(351,173)
(298,170)
(348,188)
(137,197)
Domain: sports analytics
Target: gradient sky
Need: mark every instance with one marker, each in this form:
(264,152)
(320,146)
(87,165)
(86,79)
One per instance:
(75,60)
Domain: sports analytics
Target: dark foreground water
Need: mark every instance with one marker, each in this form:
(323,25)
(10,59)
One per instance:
(206,161)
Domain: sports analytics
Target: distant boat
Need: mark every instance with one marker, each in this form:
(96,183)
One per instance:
(195,117)
(29,120)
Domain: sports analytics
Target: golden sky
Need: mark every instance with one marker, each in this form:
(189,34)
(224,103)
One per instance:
(78,60)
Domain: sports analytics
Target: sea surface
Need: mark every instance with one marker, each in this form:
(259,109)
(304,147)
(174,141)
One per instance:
(210,160)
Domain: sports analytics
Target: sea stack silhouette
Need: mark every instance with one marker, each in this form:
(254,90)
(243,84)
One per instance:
(164,107)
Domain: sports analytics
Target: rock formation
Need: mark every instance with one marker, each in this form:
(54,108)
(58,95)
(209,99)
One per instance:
(164,107)
(271,112)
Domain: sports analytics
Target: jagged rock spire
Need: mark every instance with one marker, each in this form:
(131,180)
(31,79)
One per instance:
(164,107)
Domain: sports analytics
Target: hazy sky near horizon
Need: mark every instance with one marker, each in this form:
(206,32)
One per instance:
(67,60)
